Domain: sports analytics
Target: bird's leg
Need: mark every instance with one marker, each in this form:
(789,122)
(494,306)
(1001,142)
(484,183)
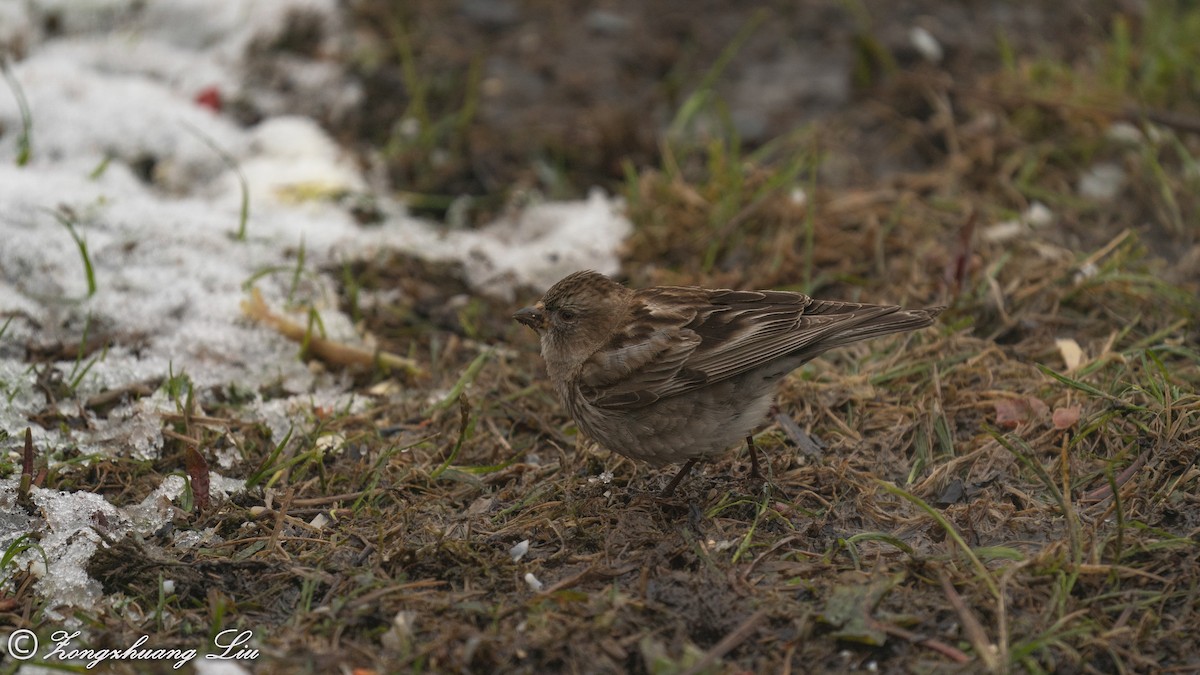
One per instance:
(670,489)
(754,473)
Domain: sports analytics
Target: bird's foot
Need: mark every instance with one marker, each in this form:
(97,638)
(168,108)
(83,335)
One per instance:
(756,478)
(670,489)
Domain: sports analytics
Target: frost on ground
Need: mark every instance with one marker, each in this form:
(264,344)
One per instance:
(126,164)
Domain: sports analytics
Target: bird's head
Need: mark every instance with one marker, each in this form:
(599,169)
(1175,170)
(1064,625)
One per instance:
(576,317)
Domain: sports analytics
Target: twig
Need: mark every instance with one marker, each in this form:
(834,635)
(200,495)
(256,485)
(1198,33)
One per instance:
(796,434)
(586,575)
(133,389)
(952,653)
(327,350)
(974,629)
(1102,493)
(729,642)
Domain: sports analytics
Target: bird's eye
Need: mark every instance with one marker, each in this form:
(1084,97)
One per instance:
(566,314)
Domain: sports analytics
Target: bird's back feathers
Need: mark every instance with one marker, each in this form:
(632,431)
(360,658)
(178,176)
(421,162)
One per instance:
(677,339)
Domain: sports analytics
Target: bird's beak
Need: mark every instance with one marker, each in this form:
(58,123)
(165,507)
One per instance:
(534,317)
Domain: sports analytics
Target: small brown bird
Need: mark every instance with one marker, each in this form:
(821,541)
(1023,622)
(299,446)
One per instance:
(679,374)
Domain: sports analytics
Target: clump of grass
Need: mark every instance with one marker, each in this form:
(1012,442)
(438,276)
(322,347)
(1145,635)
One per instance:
(1158,61)
(715,203)
(67,218)
(24,138)
(427,144)
(80,368)
(231,163)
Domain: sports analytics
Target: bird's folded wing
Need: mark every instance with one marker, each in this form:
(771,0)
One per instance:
(635,374)
(729,333)
(758,344)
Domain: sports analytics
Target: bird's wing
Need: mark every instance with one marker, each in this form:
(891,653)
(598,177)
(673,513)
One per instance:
(679,339)
(640,363)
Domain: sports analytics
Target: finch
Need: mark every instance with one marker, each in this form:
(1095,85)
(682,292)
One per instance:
(675,374)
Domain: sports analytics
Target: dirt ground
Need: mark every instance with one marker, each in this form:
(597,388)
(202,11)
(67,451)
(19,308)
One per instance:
(1013,490)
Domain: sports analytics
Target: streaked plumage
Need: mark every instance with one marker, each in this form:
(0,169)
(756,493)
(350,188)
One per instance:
(673,374)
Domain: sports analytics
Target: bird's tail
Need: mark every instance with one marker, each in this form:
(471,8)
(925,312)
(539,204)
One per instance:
(899,321)
(859,322)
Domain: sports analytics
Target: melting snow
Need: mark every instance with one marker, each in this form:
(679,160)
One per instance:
(122,152)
